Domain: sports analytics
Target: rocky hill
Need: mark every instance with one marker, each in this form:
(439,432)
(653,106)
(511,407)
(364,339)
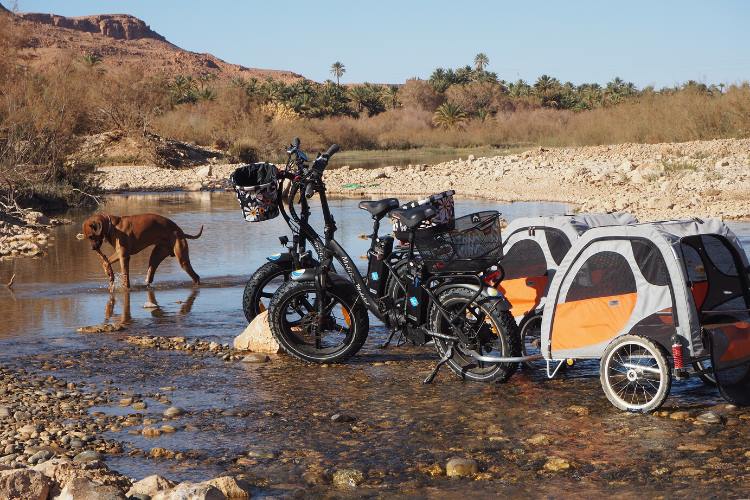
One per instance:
(122,41)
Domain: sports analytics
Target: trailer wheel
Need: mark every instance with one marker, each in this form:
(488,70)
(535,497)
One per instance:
(635,374)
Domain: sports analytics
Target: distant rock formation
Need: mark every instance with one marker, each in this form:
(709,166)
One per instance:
(117,26)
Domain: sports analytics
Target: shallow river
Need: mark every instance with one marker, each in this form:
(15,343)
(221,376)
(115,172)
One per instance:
(271,422)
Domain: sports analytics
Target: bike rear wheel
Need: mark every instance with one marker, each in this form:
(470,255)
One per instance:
(298,328)
(494,330)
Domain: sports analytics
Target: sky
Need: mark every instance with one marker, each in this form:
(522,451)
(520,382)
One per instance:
(655,42)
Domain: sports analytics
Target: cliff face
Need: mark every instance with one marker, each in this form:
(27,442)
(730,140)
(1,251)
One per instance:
(117,26)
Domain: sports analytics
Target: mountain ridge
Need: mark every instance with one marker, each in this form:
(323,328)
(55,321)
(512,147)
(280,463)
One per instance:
(123,41)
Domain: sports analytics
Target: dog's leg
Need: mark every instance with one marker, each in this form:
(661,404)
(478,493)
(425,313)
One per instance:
(158,254)
(183,257)
(125,267)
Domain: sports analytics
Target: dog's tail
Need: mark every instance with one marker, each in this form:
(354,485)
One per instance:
(191,237)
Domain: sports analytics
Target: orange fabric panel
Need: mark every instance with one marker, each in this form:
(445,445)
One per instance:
(524,294)
(700,291)
(583,323)
(739,342)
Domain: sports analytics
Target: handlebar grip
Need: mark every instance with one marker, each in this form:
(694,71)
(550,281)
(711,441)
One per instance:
(309,191)
(332,150)
(296,142)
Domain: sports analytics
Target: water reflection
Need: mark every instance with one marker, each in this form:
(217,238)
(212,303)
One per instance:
(66,289)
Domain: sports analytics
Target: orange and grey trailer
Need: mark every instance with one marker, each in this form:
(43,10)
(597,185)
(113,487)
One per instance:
(649,300)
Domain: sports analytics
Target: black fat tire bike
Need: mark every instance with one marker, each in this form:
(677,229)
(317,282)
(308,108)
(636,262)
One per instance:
(321,316)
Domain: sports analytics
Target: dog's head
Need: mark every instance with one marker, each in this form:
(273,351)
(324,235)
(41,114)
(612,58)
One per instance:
(94,229)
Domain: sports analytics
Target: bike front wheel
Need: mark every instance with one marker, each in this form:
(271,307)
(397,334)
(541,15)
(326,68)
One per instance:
(261,286)
(304,333)
(492,330)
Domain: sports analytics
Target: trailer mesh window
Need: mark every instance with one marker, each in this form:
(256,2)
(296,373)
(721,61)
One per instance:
(650,262)
(721,257)
(525,258)
(604,274)
(558,244)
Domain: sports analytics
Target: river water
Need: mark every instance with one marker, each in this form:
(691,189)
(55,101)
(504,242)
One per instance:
(270,422)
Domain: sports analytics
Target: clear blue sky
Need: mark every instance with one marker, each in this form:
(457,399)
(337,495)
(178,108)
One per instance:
(659,42)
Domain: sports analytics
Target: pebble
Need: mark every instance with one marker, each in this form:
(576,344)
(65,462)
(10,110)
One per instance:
(255,357)
(556,464)
(348,478)
(173,412)
(461,467)
(710,418)
(342,417)
(4,412)
(140,405)
(579,410)
(87,456)
(679,415)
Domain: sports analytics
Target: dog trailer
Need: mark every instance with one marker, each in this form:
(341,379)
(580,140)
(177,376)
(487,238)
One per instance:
(648,300)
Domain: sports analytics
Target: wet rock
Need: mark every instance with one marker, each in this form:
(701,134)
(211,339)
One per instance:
(696,447)
(87,456)
(461,467)
(710,418)
(173,412)
(168,429)
(556,464)
(679,415)
(81,488)
(579,410)
(255,357)
(126,401)
(24,484)
(151,432)
(229,487)
(689,472)
(140,405)
(257,337)
(539,440)
(342,417)
(348,478)
(190,491)
(103,328)
(161,453)
(150,486)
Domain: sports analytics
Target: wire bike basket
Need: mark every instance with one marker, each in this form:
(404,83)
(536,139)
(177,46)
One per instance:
(472,245)
(443,205)
(257,190)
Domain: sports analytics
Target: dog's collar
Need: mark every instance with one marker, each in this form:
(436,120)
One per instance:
(108,234)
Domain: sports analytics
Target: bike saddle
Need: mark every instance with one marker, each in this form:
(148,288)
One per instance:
(379,208)
(413,217)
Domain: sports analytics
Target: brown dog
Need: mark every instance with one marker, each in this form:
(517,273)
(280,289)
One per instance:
(132,233)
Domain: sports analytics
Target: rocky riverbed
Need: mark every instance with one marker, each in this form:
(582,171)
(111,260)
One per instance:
(652,181)
(375,430)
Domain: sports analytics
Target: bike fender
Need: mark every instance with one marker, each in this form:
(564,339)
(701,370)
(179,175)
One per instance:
(280,258)
(488,293)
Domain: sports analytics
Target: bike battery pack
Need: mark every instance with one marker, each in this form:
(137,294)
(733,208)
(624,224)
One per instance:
(377,271)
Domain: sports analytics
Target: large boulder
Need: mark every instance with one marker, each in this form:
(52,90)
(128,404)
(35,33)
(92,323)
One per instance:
(24,483)
(62,471)
(257,337)
(150,486)
(229,487)
(191,491)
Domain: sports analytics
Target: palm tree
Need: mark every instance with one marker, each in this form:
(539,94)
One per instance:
(449,115)
(338,70)
(390,96)
(481,61)
(545,85)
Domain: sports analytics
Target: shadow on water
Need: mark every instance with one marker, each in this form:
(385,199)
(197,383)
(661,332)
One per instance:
(272,421)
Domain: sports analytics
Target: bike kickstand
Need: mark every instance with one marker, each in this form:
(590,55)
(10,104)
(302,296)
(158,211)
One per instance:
(448,355)
(388,340)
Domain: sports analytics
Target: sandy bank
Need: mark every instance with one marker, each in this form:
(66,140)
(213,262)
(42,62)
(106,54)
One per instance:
(653,181)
